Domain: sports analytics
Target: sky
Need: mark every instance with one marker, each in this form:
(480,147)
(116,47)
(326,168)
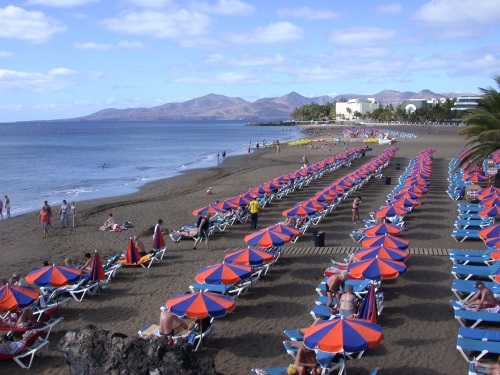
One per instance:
(70,58)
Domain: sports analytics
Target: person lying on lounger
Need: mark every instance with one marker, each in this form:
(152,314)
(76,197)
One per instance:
(483,298)
(306,362)
(487,368)
(14,347)
(23,318)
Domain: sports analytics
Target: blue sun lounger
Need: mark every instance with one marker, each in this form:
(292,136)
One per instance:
(464,289)
(477,317)
(460,235)
(473,224)
(477,346)
(465,271)
(472,253)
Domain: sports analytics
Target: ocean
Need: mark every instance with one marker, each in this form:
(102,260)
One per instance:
(80,161)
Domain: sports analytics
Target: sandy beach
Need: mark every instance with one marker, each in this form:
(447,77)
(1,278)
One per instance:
(417,320)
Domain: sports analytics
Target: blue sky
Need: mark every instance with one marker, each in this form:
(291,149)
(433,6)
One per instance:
(69,58)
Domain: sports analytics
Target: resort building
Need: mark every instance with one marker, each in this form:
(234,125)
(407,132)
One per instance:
(465,103)
(346,110)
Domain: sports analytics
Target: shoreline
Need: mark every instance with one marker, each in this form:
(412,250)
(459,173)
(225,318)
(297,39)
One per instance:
(417,318)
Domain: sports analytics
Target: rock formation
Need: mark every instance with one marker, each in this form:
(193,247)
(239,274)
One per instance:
(94,351)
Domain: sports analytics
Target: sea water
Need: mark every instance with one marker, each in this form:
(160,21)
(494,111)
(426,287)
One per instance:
(86,160)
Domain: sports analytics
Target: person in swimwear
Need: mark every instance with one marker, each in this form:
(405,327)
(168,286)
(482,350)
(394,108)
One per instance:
(333,285)
(170,324)
(483,299)
(347,303)
(355,210)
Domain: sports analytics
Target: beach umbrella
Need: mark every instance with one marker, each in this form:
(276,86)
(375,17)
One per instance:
(489,196)
(249,256)
(388,211)
(324,197)
(385,228)
(260,190)
(226,205)
(240,200)
(489,211)
(490,232)
(299,211)
(376,269)
(158,240)
(96,270)
(369,309)
(200,305)
(223,273)
(272,185)
(349,335)
(311,203)
(416,182)
(54,276)
(487,191)
(385,240)
(492,242)
(211,209)
(14,297)
(131,253)
(285,229)
(475,177)
(404,202)
(414,189)
(380,252)
(406,194)
(490,202)
(266,238)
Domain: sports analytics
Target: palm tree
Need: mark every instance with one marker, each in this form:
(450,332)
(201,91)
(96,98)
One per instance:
(483,127)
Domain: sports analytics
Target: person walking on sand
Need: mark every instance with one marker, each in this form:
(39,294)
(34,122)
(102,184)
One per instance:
(6,205)
(49,210)
(63,213)
(254,208)
(73,213)
(305,162)
(355,210)
(203,224)
(1,208)
(44,219)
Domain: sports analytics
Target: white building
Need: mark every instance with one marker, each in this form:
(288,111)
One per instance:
(345,110)
(466,103)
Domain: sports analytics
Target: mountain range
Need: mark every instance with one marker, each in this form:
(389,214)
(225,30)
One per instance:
(220,107)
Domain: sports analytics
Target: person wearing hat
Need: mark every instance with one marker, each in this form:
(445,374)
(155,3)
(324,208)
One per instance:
(19,281)
(483,298)
(254,208)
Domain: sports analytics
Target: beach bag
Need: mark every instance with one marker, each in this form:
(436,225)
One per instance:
(128,224)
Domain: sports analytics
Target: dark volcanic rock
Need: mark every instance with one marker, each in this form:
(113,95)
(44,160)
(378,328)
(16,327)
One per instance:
(94,351)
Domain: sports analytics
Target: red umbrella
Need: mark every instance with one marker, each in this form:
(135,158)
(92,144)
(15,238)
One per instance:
(489,211)
(226,205)
(158,240)
(266,238)
(240,200)
(285,229)
(380,252)
(385,240)
(416,182)
(201,305)
(404,202)
(13,297)
(96,270)
(249,257)
(349,335)
(212,209)
(490,232)
(260,190)
(487,191)
(406,194)
(54,276)
(223,273)
(388,211)
(311,203)
(380,229)
(323,197)
(490,202)
(299,211)
(376,269)
(132,254)
(415,189)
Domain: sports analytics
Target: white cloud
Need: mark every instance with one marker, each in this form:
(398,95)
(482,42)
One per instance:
(12,81)
(61,3)
(450,19)
(366,36)
(307,13)
(104,47)
(162,25)
(215,57)
(6,54)
(150,3)
(33,26)
(273,33)
(224,7)
(390,8)
(253,60)
(476,62)
(227,78)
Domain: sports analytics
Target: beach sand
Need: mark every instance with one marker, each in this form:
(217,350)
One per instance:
(417,321)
